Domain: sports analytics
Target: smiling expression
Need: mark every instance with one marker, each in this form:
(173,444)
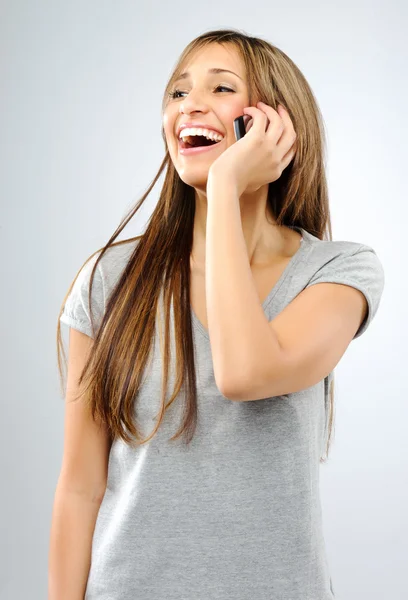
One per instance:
(205,97)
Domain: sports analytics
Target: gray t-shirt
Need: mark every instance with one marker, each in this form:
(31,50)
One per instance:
(237,513)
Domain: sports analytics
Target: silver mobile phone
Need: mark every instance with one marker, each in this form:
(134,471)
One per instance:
(239,127)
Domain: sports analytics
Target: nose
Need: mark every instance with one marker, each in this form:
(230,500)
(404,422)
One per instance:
(193,103)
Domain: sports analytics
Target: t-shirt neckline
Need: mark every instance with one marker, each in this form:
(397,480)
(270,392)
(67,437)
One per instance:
(291,264)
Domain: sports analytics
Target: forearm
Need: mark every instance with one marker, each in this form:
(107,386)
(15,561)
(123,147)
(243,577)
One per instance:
(236,322)
(72,527)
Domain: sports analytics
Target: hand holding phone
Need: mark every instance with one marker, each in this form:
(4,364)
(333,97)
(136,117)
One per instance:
(261,159)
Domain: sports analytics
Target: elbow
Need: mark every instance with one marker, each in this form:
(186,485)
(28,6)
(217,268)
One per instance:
(254,386)
(237,387)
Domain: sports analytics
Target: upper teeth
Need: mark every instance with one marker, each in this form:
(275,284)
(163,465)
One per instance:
(208,133)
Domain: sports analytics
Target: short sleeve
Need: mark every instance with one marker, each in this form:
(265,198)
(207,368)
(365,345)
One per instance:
(360,268)
(76,311)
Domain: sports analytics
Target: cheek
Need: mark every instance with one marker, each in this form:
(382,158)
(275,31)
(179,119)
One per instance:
(168,123)
(228,112)
(170,137)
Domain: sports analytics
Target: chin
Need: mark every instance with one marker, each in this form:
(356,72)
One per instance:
(196,183)
(194,177)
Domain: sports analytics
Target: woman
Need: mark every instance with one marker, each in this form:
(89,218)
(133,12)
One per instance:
(217,301)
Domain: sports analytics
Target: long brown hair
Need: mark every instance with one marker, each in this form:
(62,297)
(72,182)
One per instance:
(161,259)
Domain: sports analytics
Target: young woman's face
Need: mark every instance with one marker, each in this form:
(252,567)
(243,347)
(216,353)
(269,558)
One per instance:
(209,99)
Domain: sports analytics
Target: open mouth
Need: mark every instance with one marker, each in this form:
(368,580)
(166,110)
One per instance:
(196,141)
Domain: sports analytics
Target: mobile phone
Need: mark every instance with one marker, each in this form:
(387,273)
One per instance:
(239,127)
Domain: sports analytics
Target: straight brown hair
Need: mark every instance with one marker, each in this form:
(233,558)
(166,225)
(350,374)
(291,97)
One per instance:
(122,341)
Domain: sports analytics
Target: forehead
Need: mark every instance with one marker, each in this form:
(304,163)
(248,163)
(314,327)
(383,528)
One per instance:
(210,60)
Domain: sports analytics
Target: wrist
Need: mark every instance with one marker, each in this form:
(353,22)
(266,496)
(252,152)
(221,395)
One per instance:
(224,180)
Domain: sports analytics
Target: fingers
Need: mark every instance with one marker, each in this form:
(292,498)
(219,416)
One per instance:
(287,121)
(260,119)
(249,121)
(287,140)
(277,125)
(276,118)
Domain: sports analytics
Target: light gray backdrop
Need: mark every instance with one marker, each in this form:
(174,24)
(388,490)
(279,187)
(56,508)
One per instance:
(81,86)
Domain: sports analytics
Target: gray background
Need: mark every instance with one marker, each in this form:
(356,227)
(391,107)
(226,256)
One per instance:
(81,88)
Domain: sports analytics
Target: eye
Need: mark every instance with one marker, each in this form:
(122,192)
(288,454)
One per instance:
(175,92)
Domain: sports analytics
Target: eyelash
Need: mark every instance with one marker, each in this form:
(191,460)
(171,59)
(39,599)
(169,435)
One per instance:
(173,94)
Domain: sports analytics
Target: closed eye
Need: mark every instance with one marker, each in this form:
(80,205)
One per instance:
(174,94)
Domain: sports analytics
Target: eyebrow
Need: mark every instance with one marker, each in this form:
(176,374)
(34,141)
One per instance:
(213,71)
